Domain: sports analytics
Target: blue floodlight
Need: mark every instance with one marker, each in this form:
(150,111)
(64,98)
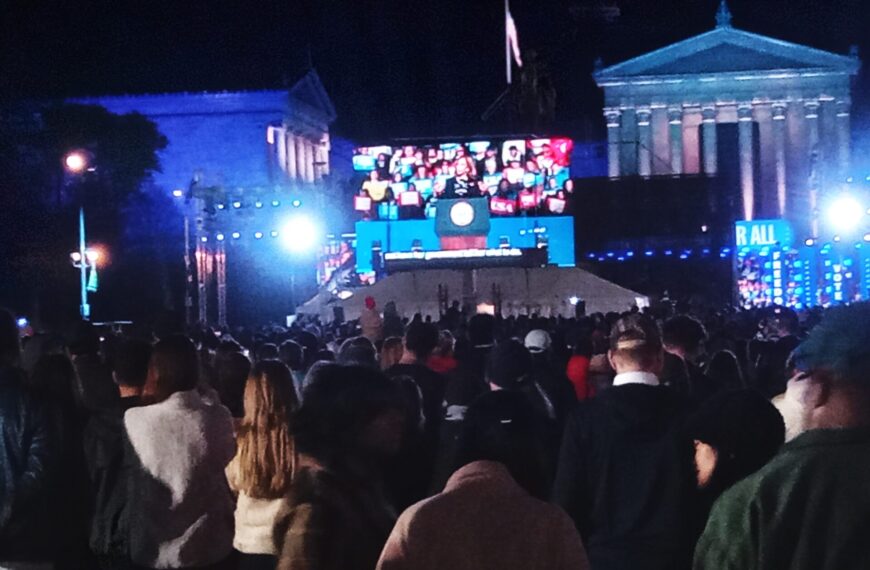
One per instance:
(300,234)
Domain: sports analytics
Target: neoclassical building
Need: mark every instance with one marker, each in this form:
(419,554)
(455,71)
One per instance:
(771,115)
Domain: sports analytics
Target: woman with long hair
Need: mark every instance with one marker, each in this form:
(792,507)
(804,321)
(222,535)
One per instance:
(180,506)
(264,464)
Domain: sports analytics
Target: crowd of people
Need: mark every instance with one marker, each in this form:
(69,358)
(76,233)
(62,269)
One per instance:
(516,176)
(642,440)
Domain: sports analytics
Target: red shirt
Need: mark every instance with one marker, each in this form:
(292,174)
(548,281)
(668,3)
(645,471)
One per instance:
(578,374)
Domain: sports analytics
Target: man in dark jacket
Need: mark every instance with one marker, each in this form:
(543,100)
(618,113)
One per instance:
(104,444)
(25,457)
(623,474)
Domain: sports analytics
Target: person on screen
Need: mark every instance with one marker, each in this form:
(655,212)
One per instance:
(490,163)
(433,155)
(514,155)
(376,187)
(544,160)
(421,171)
(382,166)
(463,185)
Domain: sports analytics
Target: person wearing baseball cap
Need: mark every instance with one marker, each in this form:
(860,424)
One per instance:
(558,388)
(810,506)
(623,475)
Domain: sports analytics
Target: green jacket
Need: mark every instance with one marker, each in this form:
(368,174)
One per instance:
(808,509)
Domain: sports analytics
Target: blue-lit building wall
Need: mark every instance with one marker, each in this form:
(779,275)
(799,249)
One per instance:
(521,232)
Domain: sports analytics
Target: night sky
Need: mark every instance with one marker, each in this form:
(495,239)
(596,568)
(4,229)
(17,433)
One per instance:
(393,68)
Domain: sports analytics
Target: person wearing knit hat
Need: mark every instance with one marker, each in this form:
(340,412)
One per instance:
(808,507)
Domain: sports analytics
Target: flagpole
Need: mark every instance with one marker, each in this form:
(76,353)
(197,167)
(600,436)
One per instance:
(507,42)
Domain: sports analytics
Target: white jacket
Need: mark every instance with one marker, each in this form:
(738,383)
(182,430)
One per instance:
(180,507)
(255,519)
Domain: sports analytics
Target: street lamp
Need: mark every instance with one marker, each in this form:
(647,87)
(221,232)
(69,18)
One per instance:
(76,163)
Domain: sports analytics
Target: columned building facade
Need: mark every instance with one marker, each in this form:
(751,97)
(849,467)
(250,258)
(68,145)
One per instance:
(772,116)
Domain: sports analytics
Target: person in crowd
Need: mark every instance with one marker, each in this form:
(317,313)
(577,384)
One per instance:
(179,503)
(391,352)
(734,434)
(443,360)
(807,508)
(95,389)
(723,370)
(292,355)
(266,351)
(510,367)
(358,351)
(336,516)
(556,386)
(419,342)
(684,336)
(232,373)
(262,470)
(371,322)
(622,474)
(491,515)
(578,368)
(26,460)
(393,325)
(104,453)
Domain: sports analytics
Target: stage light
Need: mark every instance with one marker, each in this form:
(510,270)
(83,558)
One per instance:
(178,192)
(258,235)
(220,206)
(236,235)
(275,203)
(300,234)
(273,233)
(591,256)
(867,237)
(809,242)
(845,213)
(220,237)
(574,300)
(649,253)
(837,239)
(22,322)
(668,252)
(629,254)
(258,204)
(704,229)
(203,239)
(76,162)
(296,203)
(237,205)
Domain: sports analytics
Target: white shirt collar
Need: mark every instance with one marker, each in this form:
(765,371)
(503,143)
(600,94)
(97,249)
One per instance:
(637,377)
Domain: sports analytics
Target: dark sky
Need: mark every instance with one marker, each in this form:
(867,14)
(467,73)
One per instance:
(393,67)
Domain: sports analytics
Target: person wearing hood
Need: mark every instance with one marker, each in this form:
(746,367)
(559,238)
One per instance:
(623,473)
(371,322)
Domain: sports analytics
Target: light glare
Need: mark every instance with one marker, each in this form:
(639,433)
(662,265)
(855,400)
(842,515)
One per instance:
(845,213)
(299,234)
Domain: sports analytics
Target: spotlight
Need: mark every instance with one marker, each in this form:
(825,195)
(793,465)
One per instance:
(273,233)
(236,235)
(296,203)
(809,242)
(574,300)
(836,239)
(258,204)
(237,205)
(219,237)
(845,213)
(300,234)
(178,192)
(867,237)
(22,322)
(275,203)
(203,239)
(221,206)
(258,235)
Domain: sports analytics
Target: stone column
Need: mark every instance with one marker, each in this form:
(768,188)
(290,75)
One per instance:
(711,148)
(675,120)
(309,161)
(290,166)
(614,139)
(281,142)
(747,175)
(779,110)
(843,139)
(300,157)
(811,115)
(645,142)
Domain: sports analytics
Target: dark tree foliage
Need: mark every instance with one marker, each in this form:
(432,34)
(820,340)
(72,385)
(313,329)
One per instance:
(38,220)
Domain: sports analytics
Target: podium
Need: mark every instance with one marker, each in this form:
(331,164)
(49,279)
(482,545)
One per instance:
(462,223)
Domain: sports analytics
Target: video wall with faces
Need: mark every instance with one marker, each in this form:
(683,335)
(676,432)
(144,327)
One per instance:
(503,169)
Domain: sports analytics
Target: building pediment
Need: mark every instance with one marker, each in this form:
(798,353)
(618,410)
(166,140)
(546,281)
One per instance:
(309,101)
(726,50)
